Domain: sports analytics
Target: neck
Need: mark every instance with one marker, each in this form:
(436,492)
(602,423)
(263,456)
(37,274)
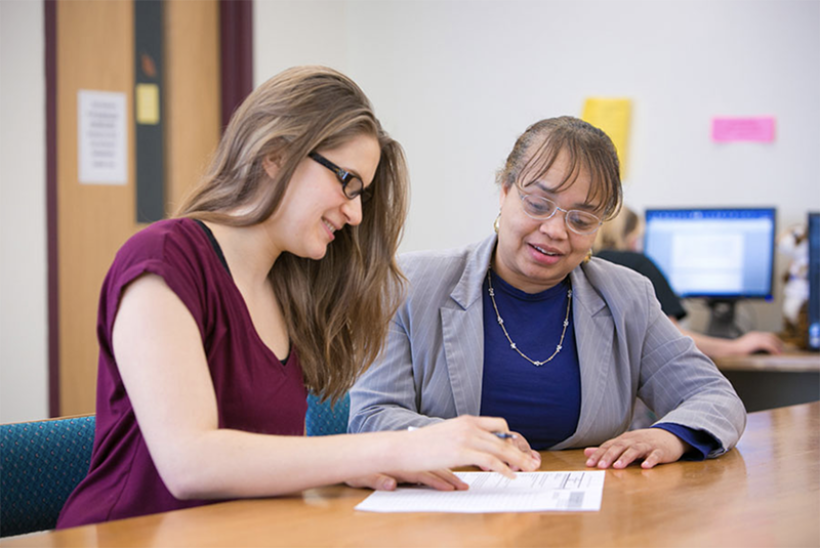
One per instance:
(249,252)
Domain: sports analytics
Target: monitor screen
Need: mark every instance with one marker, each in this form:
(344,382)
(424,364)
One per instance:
(814,281)
(715,253)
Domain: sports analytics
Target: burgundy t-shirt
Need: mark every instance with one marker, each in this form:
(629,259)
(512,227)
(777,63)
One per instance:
(255,392)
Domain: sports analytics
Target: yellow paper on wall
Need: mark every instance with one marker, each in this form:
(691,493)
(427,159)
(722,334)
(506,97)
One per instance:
(147,98)
(612,116)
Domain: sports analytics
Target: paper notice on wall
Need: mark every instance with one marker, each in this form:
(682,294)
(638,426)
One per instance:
(102,138)
(755,129)
(612,116)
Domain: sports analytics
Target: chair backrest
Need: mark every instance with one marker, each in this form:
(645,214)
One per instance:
(324,419)
(40,464)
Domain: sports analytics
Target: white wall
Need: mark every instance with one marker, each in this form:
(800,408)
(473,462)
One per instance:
(457,81)
(23,335)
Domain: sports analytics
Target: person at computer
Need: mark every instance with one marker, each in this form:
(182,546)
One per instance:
(619,241)
(525,326)
(277,277)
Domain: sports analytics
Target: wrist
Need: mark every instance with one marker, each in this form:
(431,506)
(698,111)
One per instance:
(391,451)
(675,444)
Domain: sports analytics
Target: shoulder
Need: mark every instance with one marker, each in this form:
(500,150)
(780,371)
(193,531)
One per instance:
(602,287)
(437,275)
(175,249)
(175,242)
(421,264)
(158,236)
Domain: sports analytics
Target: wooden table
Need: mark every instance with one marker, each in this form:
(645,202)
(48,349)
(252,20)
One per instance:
(764,493)
(766,381)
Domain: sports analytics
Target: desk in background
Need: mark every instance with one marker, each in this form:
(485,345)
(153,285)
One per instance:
(767,381)
(764,493)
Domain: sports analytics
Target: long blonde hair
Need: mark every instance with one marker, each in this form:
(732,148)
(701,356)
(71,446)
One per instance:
(615,233)
(337,309)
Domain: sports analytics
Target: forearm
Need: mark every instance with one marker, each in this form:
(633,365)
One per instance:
(212,463)
(683,386)
(233,464)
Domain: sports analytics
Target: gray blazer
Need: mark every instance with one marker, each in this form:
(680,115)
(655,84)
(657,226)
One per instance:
(432,364)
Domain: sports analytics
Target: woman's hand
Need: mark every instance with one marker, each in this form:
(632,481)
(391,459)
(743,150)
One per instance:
(524,446)
(442,480)
(653,445)
(466,441)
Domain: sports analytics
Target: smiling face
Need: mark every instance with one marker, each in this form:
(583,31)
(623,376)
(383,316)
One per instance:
(534,255)
(314,206)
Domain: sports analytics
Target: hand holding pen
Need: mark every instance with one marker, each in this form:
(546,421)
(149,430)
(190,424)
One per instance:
(517,456)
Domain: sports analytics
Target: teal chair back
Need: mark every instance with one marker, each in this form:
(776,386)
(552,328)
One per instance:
(40,464)
(324,419)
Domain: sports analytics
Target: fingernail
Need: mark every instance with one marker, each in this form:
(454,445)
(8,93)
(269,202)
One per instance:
(388,484)
(590,462)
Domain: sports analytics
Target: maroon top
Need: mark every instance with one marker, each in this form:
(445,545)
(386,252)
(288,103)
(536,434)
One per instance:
(255,392)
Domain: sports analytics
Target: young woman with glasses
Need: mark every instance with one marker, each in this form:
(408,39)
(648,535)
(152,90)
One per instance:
(277,277)
(524,325)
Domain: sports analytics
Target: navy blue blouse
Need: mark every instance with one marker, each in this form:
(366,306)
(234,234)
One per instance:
(543,403)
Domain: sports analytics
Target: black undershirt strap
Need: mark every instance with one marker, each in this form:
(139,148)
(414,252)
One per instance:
(215,245)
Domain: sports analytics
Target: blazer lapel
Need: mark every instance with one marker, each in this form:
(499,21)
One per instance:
(462,320)
(593,325)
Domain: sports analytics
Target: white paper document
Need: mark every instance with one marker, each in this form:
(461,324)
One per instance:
(102,139)
(492,492)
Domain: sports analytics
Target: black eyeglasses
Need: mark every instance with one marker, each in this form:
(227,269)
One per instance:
(352,185)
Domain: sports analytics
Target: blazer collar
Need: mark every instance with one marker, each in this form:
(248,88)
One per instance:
(585,295)
(462,329)
(594,342)
(468,289)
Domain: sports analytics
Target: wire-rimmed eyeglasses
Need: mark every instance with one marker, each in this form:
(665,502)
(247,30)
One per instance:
(540,208)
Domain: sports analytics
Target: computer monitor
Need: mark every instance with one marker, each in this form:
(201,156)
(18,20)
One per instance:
(721,254)
(814,281)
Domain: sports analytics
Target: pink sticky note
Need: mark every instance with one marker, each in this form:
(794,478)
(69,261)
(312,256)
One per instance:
(760,129)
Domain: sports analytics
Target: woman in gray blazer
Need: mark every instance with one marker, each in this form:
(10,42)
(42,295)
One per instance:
(525,326)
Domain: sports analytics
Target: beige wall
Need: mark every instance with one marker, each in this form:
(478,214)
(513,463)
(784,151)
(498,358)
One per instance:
(455,82)
(23,335)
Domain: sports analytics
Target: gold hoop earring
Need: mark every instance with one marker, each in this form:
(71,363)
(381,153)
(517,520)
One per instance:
(497,222)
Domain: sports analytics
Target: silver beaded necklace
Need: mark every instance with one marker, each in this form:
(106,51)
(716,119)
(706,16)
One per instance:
(504,329)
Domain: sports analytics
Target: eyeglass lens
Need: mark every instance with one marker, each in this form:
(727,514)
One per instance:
(543,209)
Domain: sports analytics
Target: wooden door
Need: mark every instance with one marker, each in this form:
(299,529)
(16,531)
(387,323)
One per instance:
(95,51)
